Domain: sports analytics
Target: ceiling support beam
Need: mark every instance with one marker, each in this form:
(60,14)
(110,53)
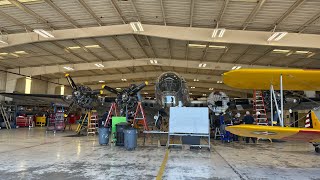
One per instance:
(289,11)
(118,11)
(51,69)
(69,51)
(15,21)
(52,52)
(169,49)
(261,56)
(224,53)
(62,13)
(87,50)
(203,57)
(222,11)
(122,47)
(309,22)
(253,14)
(191,11)
(242,54)
(89,10)
(29,11)
(172,32)
(163,13)
(141,46)
(105,48)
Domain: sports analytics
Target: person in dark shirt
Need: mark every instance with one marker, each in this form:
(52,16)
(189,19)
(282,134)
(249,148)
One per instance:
(248,119)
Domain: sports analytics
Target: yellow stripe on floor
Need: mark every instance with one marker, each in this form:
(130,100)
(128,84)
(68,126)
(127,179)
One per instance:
(163,166)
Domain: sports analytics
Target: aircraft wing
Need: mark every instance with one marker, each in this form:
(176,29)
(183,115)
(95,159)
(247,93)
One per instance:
(293,79)
(276,132)
(37,99)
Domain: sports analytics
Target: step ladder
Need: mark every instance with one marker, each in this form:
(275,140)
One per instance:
(140,119)
(82,123)
(217,133)
(259,107)
(5,117)
(112,111)
(92,123)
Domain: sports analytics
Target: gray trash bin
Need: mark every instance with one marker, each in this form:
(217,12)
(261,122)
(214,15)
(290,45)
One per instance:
(103,135)
(130,138)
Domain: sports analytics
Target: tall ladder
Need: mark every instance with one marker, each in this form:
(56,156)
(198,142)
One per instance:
(92,123)
(5,117)
(259,106)
(112,111)
(140,119)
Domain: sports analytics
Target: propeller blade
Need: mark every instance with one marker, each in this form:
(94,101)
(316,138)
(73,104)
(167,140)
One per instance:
(110,89)
(138,88)
(71,82)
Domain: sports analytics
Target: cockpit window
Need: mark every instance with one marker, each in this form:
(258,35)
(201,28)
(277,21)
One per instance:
(169,82)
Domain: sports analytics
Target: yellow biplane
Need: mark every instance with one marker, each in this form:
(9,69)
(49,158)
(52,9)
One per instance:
(277,79)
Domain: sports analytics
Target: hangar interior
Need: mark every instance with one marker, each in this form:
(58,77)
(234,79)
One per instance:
(105,46)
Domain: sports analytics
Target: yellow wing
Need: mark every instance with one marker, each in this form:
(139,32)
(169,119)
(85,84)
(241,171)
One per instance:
(275,132)
(293,79)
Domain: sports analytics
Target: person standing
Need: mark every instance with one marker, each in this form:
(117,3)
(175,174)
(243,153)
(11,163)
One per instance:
(248,119)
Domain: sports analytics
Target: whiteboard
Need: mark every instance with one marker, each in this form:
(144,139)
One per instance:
(189,120)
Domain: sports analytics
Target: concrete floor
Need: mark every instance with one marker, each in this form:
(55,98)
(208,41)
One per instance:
(35,154)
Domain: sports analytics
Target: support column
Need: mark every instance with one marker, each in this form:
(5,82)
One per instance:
(52,88)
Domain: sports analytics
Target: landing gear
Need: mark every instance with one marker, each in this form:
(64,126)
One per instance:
(316,147)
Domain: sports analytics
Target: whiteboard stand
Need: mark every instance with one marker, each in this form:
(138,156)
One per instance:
(189,121)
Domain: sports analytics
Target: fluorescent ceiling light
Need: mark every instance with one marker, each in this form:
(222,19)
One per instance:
(3,41)
(4,53)
(210,89)
(311,54)
(202,65)
(74,47)
(196,80)
(204,94)
(302,52)
(68,68)
(15,55)
(99,65)
(5,2)
(197,45)
(218,32)
(101,81)
(20,52)
(43,33)
(118,88)
(136,26)
(145,93)
(123,79)
(193,87)
(92,46)
(217,47)
(219,82)
(190,93)
(280,50)
(277,36)
(236,67)
(153,61)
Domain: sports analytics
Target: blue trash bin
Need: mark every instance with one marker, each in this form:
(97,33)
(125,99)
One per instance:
(130,138)
(104,135)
